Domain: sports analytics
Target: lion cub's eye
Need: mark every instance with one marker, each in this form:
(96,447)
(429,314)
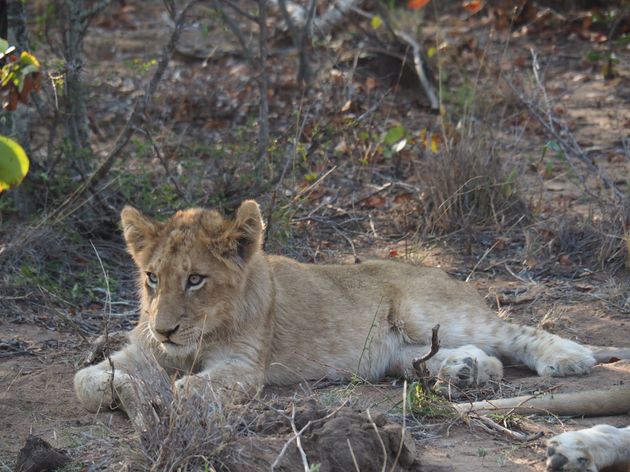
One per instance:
(195,280)
(152,279)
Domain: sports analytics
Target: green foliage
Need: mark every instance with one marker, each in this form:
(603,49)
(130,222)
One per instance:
(395,140)
(18,77)
(426,403)
(14,163)
(140,67)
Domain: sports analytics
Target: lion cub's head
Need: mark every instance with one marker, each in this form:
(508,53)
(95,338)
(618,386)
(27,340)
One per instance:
(192,270)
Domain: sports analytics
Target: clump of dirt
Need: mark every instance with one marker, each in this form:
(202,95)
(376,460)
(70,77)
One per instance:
(37,455)
(342,439)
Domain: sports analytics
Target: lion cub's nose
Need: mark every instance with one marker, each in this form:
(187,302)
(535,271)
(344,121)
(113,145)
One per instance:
(167,333)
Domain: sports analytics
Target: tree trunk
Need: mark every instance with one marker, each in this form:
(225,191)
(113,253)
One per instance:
(73,105)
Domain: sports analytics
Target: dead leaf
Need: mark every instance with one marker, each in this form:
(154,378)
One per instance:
(402,198)
(417,4)
(375,201)
(473,6)
(565,260)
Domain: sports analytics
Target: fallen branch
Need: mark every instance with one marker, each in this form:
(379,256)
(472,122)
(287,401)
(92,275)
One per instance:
(492,426)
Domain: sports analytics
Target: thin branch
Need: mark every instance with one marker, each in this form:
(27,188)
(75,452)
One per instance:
(404,428)
(354,458)
(108,310)
(94,10)
(240,11)
(419,362)
(491,425)
(263,83)
(298,441)
(164,163)
(380,440)
(301,431)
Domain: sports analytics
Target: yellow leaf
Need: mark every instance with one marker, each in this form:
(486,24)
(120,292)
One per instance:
(431,52)
(377,22)
(435,142)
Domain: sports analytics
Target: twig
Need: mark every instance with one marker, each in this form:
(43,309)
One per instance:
(298,441)
(301,431)
(263,83)
(404,427)
(419,67)
(164,163)
(419,362)
(380,440)
(354,459)
(108,309)
(493,426)
(240,11)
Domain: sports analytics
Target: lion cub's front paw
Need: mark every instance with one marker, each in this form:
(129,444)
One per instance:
(192,384)
(563,358)
(468,366)
(567,452)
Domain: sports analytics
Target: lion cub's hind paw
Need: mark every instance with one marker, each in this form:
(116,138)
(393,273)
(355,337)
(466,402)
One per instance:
(566,454)
(568,358)
(468,366)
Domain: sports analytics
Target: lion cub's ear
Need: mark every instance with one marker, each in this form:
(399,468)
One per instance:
(139,230)
(249,226)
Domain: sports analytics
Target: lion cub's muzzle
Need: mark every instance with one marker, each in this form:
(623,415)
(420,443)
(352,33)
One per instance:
(164,335)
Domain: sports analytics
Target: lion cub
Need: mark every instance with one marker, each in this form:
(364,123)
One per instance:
(216,309)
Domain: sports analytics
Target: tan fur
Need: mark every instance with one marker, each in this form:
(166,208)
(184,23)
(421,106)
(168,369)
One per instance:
(258,319)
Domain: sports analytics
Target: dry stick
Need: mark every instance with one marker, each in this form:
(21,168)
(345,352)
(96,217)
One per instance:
(128,129)
(354,458)
(108,309)
(404,427)
(419,66)
(419,362)
(298,441)
(162,160)
(301,431)
(380,440)
(493,426)
(418,63)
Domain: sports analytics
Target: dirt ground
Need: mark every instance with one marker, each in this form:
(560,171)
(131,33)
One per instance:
(43,339)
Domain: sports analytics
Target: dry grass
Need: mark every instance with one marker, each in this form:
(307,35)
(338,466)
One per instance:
(176,431)
(468,186)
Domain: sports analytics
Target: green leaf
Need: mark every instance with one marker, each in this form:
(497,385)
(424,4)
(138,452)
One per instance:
(595,56)
(13,163)
(394,135)
(4,45)
(376,22)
